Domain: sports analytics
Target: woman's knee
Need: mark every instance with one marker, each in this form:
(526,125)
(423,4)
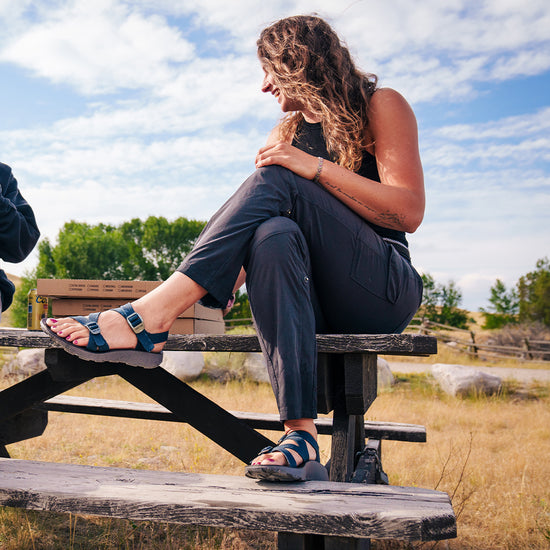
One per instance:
(277,241)
(277,235)
(276,176)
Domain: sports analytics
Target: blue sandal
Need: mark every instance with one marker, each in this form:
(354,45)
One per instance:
(308,470)
(98,349)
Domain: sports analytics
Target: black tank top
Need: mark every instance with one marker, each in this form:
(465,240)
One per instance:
(309,138)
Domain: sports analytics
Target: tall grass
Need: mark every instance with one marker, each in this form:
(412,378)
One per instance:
(491,454)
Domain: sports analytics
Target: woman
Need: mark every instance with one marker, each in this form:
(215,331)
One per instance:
(317,233)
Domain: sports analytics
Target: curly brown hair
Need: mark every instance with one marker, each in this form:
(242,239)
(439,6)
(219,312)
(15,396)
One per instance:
(310,64)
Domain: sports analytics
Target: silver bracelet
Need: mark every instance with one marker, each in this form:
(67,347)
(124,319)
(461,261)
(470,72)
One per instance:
(319,169)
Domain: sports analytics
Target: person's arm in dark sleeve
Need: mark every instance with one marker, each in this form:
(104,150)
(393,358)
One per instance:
(18,230)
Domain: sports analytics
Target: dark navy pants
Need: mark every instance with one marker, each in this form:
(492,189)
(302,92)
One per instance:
(312,265)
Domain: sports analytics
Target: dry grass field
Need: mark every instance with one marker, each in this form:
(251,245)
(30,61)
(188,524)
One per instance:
(491,454)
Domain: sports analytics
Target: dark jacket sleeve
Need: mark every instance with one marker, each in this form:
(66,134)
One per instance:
(18,230)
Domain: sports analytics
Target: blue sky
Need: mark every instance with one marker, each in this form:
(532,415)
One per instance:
(116,109)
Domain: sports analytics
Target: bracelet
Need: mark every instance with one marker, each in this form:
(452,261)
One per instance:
(319,169)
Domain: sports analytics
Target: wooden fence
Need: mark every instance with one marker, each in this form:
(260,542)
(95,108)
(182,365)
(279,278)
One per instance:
(465,341)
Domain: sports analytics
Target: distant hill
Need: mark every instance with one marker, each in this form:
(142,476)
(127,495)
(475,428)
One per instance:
(14,279)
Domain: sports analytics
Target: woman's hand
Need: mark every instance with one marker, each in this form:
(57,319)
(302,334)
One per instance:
(397,201)
(284,154)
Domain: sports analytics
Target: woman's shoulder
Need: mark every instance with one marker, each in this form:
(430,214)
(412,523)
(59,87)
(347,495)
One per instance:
(389,106)
(387,97)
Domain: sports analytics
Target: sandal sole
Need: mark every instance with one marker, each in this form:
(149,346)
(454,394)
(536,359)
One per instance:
(134,358)
(310,471)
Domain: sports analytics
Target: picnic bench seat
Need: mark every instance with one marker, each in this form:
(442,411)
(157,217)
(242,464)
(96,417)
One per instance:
(395,431)
(322,508)
(348,514)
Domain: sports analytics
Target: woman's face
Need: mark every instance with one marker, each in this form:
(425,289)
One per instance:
(269,85)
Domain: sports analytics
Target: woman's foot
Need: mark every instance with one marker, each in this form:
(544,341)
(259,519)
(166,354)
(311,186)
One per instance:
(158,309)
(114,328)
(141,354)
(278,458)
(294,458)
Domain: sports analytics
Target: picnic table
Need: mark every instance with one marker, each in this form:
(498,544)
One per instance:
(354,506)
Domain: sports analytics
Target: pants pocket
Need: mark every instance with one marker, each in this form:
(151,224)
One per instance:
(378,271)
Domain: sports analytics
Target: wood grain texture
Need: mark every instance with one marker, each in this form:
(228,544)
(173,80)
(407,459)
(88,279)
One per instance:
(388,344)
(340,509)
(394,431)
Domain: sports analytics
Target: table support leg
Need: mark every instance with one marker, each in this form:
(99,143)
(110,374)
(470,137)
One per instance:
(190,406)
(32,390)
(355,387)
(295,541)
(207,417)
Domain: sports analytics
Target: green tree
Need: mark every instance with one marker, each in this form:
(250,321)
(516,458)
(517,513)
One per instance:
(147,250)
(143,250)
(240,310)
(440,303)
(504,307)
(430,297)
(534,294)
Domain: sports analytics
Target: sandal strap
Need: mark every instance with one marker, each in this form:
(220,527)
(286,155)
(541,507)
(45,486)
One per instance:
(295,441)
(146,340)
(96,342)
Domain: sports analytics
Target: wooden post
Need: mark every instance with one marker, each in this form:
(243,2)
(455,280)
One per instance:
(527,348)
(473,349)
(423,327)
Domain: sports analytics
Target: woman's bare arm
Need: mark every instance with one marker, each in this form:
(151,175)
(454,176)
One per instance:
(397,201)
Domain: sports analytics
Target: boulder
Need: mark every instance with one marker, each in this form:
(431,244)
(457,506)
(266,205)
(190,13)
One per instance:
(385,376)
(26,362)
(255,367)
(184,365)
(461,380)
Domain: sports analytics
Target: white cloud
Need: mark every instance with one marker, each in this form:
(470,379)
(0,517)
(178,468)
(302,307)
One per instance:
(99,47)
(525,63)
(428,49)
(525,124)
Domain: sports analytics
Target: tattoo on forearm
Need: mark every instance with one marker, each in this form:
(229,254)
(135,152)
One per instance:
(386,218)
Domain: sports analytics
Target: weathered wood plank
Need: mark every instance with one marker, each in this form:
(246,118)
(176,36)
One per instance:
(25,425)
(339,509)
(360,381)
(20,337)
(343,444)
(261,421)
(387,344)
(28,392)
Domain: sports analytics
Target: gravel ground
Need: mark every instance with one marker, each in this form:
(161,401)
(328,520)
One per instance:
(521,375)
